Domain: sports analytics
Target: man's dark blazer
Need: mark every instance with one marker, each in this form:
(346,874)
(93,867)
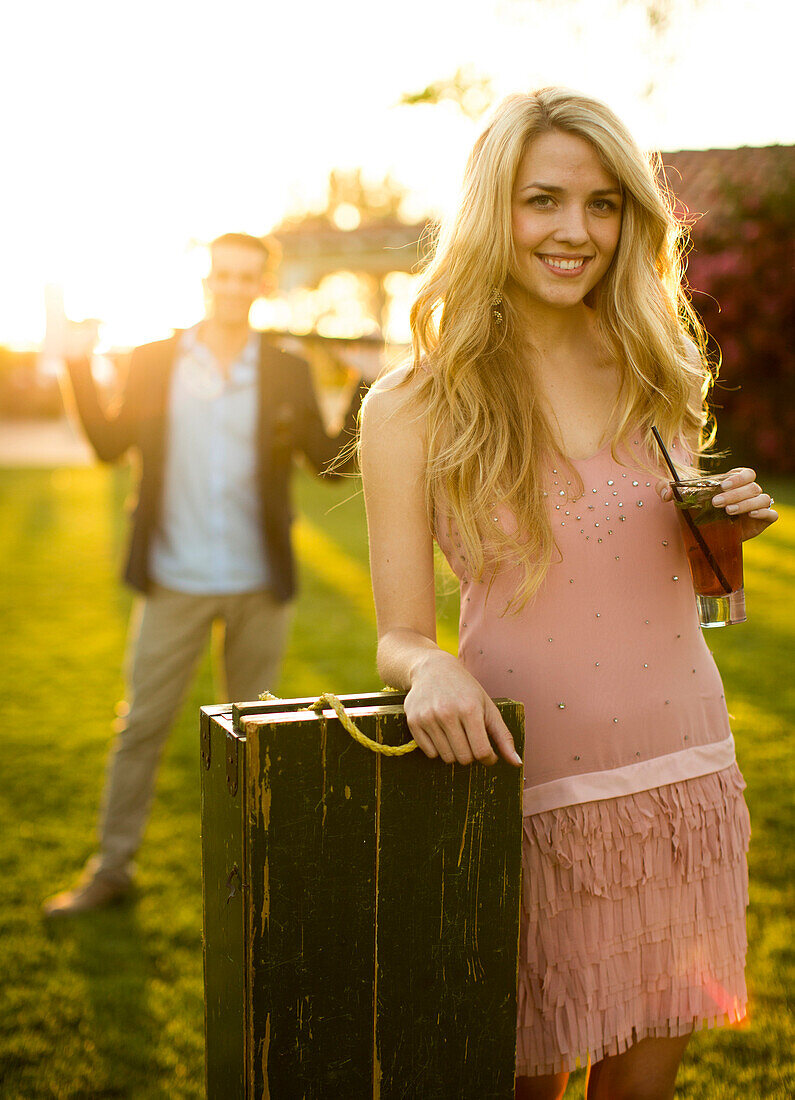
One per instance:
(289,421)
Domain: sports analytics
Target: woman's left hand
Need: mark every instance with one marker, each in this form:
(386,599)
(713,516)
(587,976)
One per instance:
(741,497)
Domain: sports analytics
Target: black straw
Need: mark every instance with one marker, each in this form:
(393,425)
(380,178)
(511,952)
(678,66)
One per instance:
(666,456)
(716,569)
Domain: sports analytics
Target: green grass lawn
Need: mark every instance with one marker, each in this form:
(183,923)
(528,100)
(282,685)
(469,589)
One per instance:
(111,1005)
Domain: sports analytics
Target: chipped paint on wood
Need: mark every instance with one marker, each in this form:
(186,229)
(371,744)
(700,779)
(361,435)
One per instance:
(263,786)
(264,1048)
(465,826)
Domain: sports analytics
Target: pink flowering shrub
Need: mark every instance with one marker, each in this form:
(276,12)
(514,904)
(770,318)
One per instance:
(741,277)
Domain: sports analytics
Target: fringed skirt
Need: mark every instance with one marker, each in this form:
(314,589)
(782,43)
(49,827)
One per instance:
(633,921)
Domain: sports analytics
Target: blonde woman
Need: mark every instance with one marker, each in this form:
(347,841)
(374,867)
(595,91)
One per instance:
(551,332)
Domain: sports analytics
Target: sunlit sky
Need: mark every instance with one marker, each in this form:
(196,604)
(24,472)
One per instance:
(131,131)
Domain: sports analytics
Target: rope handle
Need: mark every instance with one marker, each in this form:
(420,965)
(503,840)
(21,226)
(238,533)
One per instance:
(327,699)
(355,732)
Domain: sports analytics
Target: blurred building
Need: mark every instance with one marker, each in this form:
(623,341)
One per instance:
(708,182)
(313,249)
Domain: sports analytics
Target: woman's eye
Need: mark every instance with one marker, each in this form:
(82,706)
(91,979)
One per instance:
(604,206)
(542,201)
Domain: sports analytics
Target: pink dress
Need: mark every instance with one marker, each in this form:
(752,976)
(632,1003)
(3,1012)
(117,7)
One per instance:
(635,828)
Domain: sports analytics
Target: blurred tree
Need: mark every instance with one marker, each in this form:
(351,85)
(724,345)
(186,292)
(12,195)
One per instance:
(472,94)
(659,13)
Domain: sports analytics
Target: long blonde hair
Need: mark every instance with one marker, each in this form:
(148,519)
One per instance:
(486,433)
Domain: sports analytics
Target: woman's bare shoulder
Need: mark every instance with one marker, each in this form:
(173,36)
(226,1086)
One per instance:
(396,396)
(393,377)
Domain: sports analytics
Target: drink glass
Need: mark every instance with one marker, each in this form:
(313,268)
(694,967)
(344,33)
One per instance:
(713,544)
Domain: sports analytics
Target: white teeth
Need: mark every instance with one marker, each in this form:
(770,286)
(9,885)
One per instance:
(564,265)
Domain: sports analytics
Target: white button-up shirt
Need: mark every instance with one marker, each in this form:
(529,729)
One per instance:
(209,540)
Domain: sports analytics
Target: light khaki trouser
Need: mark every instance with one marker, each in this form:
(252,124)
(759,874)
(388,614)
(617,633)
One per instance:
(168,633)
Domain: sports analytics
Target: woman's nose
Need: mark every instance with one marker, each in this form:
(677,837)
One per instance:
(572,226)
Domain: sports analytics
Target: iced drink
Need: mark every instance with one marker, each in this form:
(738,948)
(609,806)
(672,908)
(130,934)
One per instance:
(713,544)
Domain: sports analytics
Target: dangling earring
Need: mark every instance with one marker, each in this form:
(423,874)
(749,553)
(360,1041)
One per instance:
(496,302)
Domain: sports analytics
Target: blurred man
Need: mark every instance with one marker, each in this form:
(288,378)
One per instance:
(216,414)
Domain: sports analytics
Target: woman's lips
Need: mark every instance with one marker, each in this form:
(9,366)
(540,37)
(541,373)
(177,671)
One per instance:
(566,266)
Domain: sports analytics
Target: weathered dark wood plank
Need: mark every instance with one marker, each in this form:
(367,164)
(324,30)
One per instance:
(448,924)
(312,916)
(223,901)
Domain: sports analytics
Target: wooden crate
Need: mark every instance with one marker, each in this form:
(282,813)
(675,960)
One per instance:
(361,912)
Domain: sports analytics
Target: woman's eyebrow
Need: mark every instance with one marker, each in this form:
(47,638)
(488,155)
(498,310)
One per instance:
(559,190)
(541,187)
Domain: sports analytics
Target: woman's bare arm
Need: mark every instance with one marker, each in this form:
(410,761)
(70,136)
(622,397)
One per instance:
(449,713)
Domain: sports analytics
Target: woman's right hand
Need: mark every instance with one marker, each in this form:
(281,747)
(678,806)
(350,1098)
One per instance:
(451,716)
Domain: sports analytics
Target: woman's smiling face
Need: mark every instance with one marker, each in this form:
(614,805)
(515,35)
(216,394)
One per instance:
(566,217)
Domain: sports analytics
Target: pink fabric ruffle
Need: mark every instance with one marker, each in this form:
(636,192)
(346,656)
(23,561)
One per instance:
(633,921)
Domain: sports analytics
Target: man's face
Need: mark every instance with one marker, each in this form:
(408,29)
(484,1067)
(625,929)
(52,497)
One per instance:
(235,281)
